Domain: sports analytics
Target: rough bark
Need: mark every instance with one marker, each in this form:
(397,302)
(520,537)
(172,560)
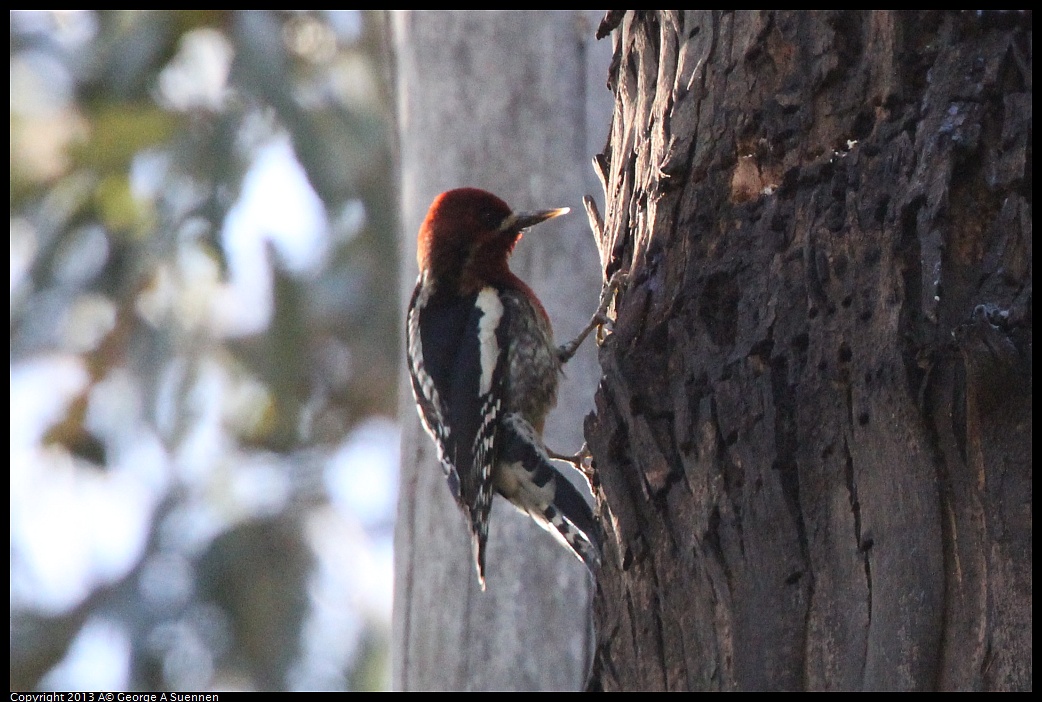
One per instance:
(513,103)
(813,431)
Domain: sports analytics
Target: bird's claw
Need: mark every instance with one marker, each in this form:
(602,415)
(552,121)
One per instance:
(582,461)
(616,283)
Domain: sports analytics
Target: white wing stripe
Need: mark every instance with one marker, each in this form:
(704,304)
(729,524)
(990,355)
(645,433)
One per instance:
(491,312)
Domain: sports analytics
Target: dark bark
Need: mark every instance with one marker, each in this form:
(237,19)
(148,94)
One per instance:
(813,430)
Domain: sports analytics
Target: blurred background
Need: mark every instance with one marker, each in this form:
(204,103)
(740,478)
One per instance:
(204,350)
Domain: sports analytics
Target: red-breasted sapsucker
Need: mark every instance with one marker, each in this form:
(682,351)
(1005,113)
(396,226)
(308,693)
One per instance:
(485,370)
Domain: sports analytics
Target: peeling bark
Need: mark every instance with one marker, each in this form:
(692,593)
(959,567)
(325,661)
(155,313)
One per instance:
(813,428)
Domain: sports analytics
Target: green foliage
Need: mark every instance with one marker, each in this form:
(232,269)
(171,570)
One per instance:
(133,138)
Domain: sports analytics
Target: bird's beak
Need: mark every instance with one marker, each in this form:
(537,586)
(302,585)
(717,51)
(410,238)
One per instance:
(516,221)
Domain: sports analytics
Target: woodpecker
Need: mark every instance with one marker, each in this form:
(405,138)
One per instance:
(485,371)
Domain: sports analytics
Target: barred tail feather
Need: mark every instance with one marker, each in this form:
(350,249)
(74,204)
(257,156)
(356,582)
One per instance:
(529,480)
(571,521)
(479,539)
(479,530)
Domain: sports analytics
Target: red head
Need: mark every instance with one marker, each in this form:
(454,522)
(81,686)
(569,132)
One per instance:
(468,235)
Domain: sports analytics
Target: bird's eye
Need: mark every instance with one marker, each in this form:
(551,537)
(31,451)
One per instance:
(490,218)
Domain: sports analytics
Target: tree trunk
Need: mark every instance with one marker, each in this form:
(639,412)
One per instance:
(504,101)
(813,433)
